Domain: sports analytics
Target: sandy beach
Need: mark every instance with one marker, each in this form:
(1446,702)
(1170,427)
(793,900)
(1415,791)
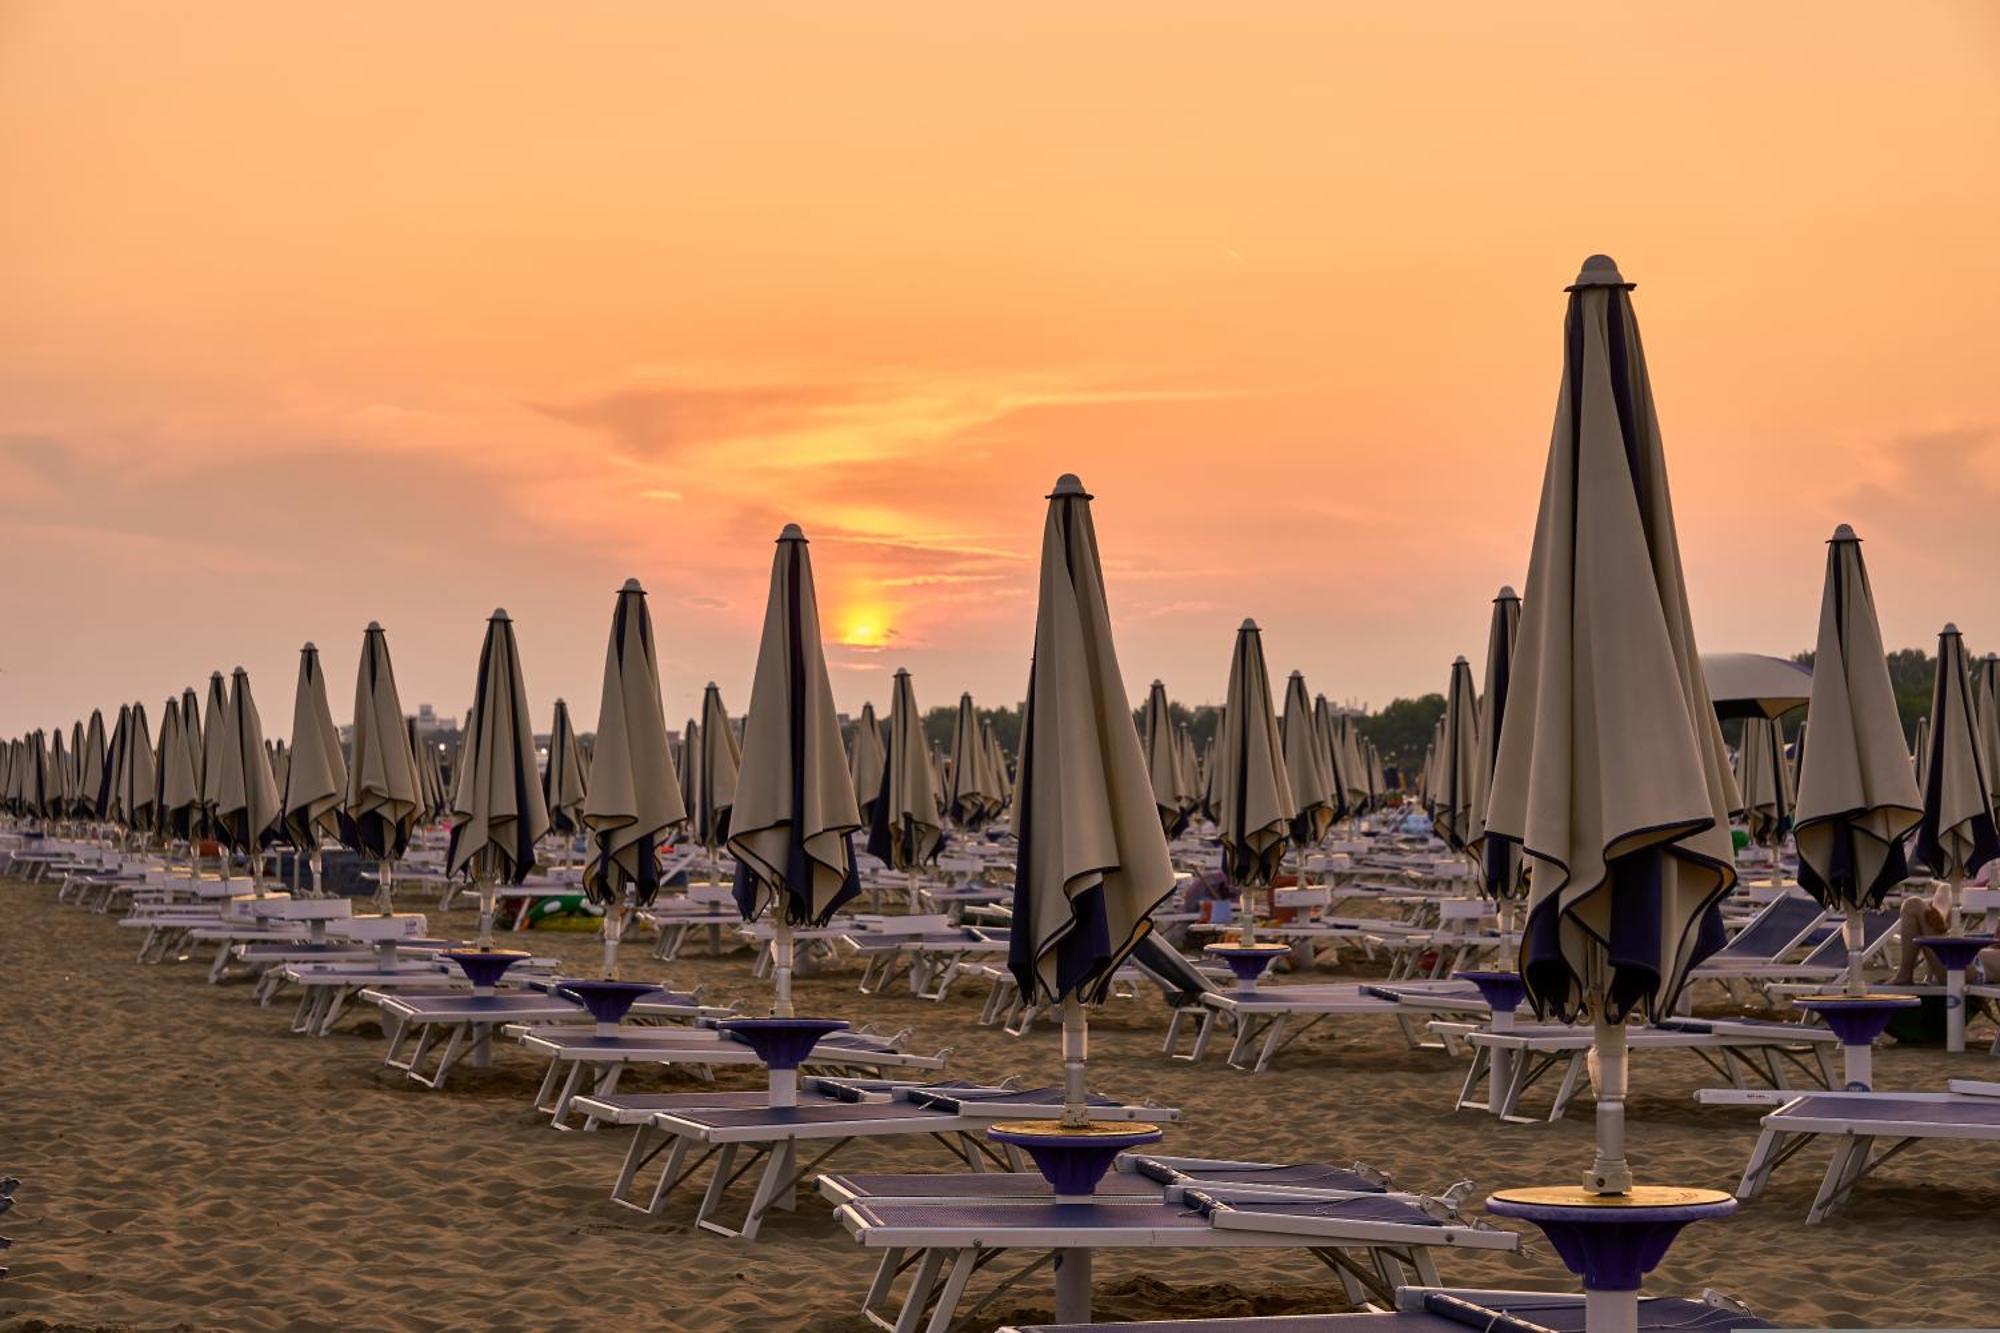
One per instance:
(186,1163)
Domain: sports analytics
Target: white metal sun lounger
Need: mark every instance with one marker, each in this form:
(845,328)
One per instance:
(1269,1012)
(1968,1110)
(466,1021)
(956,1117)
(1423,1309)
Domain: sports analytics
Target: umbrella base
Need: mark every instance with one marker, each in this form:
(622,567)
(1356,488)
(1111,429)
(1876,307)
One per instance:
(1857,1020)
(1073,1158)
(783,1044)
(484,967)
(1248,961)
(607,1001)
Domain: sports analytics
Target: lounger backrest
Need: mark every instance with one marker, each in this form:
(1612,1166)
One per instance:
(1775,929)
(1181,980)
(1832,952)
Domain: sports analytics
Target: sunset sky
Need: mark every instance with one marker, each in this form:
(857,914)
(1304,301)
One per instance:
(312,315)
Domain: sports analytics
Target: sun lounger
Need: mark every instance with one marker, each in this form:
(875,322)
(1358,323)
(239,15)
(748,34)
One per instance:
(466,1022)
(1269,1013)
(1451,1310)
(1771,937)
(1968,1110)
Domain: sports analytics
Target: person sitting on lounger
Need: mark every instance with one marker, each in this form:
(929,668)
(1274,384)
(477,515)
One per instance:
(1929,916)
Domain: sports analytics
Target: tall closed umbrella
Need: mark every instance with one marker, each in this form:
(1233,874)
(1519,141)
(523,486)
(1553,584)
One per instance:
(634,800)
(316,770)
(132,797)
(794,816)
(62,778)
(996,759)
(177,783)
(93,768)
(1985,673)
(564,781)
(1350,768)
(865,760)
(1764,782)
(903,828)
(1857,798)
(1309,770)
(1253,794)
(36,797)
(712,792)
(217,744)
(972,798)
(246,811)
(1611,771)
(197,751)
(1955,834)
(497,809)
(1092,863)
(1920,751)
(1326,731)
(383,793)
(1458,760)
(685,756)
(1170,781)
(1502,872)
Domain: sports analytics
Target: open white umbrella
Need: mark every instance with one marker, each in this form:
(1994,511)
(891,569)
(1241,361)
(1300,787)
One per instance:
(711,794)
(865,759)
(903,830)
(1253,794)
(634,801)
(1502,873)
(565,783)
(1309,770)
(497,809)
(1172,785)
(1611,770)
(794,817)
(1955,835)
(1092,863)
(384,795)
(1857,798)
(315,771)
(972,798)
(1458,761)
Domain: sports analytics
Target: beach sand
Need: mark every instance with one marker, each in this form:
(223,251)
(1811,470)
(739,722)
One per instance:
(186,1163)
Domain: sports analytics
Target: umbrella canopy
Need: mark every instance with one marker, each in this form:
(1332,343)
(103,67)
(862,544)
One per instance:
(1764,781)
(1353,778)
(1985,672)
(634,799)
(996,760)
(384,794)
(1611,771)
(794,816)
(1955,834)
(136,783)
(972,797)
(717,758)
(903,828)
(1920,751)
(315,770)
(1253,794)
(1207,806)
(685,755)
(177,781)
(1754,685)
(1458,762)
(1092,863)
(1326,734)
(94,769)
(865,759)
(281,766)
(1857,797)
(1502,872)
(1173,785)
(246,806)
(564,782)
(216,745)
(36,794)
(1308,768)
(497,807)
(114,757)
(61,797)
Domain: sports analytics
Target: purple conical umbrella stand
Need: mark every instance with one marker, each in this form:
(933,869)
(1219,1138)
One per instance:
(1956,954)
(1858,1020)
(484,967)
(1074,1160)
(1247,960)
(1503,993)
(783,1044)
(607,1001)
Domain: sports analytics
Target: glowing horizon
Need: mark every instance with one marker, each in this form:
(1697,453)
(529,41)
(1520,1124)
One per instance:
(310,318)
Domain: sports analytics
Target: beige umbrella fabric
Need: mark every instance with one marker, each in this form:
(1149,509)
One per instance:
(1502,872)
(1354,784)
(634,802)
(996,761)
(865,760)
(564,782)
(216,744)
(178,798)
(794,816)
(1763,780)
(93,771)
(1857,797)
(972,797)
(1172,785)
(711,795)
(1308,769)
(246,795)
(316,769)
(1985,673)
(1955,835)
(1458,761)
(497,810)
(904,832)
(384,794)
(134,793)
(1253,794)
(1920,751)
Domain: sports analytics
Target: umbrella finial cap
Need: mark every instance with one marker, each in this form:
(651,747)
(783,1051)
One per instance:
(1249,626)
(500,613)
(632,585)
(374,627)
(1068,484)
(1845,533)
(1950,628)
(1600,271)
(792,533)
(1459,661)
(1507,594)
(309,647)
(902,671)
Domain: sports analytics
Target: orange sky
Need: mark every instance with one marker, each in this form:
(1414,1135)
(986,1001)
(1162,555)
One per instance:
(311,315)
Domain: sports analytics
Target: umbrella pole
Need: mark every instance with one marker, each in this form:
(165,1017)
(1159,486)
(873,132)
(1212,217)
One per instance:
(1857,936)
(916,902)
(781,965)
(385,893)
(1609,1173)
(1248,931)
(614,930)
(482,886)
(1076,1057)
(1955,924)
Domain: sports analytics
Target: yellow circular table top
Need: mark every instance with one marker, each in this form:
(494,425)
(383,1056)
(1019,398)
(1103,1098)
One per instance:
(1096,1129)
(1641,1196)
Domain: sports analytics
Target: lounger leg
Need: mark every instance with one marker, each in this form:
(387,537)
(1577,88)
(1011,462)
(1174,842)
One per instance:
(1763,1159)
(886,1273)
(220,966)
(1568,1088)
(1850,1157)
(777,1172)
(635,1153)
(920,1291)
(963,1265)
(717,1183)
(1480,1062)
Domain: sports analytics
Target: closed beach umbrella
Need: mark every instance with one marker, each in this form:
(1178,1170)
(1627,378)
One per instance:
(634,800)
(1857,797)
(717,761)
(36,797)
(1207,806)
(1502,872)
(1985,672)
(996,759)
(564,783)
(177,791)
(1763,780)
(1308,769)
(316,771)
(497,809)
(1092,862)
(972,798)
(383,792)
(197,751)
(114,757)
(1920,751)
(685,756)
(216,745)
(1354,780)
(903,829)
(1955,834)
(1611,771)
(1253,796)
(1459,759)
(94,769)
(246,809)
(62,779)
(1378,781)
(940,777)
(134,797)
(794,817)
(1172,785)
(280,760)
(865,760)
